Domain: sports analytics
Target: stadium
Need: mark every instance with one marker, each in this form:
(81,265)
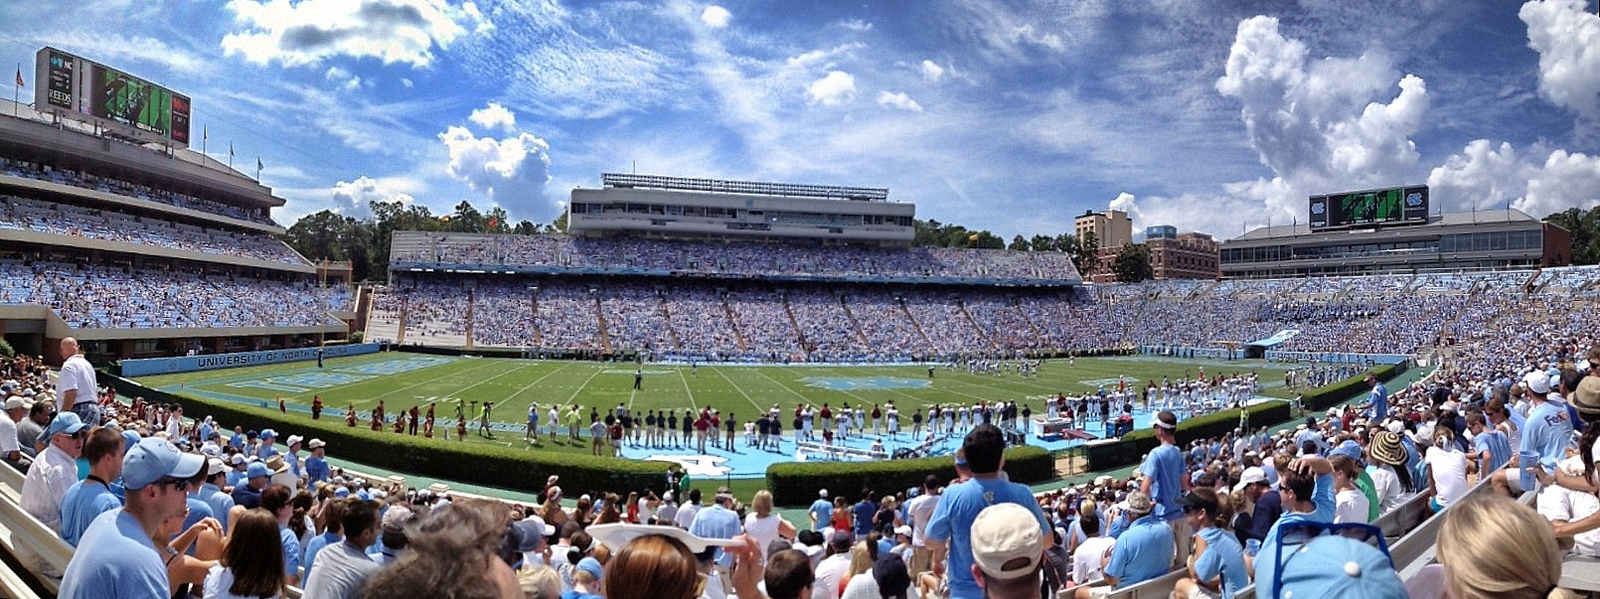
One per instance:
(772,338)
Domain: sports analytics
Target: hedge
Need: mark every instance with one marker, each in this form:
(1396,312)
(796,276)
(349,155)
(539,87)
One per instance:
(796,483)
(493,466)
(1327,396)
(1133,446)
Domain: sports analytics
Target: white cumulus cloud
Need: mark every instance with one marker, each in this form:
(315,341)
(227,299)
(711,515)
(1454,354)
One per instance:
(715,17)
(346,80)
(509,170)
(832,89)
(932,71)
(1320,125)
(352,198)
(898,101)
(1567,37)
(494,116)
(307,32)
(1486,177)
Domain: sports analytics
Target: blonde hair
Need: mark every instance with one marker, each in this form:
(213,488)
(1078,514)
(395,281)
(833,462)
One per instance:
(762,503)
(1494,548)
(539,582)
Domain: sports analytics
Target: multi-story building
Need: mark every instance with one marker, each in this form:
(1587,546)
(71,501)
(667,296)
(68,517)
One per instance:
(1111,229)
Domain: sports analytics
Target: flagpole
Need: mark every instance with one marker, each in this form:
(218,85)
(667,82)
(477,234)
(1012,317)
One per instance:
(16,93)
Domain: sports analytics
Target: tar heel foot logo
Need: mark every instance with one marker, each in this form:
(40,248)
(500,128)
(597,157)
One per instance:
(696,465)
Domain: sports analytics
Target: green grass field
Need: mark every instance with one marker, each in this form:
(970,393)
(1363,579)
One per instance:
(401,380)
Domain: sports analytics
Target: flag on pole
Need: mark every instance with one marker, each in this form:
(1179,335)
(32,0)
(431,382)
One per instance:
(205,132)
(258,164)
(230,150)
(20,83)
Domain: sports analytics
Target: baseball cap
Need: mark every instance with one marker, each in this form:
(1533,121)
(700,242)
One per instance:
(892,577)
(1002,535)
(1537,382)
(1195,500)
(16,402)
(1349,449)
(525,534)
(903,529)
(395,518)
(293,439)
(65,423)
(1139,503)
(590,565)
(1251,475)
(267,432)
(152,458)
(214,466)
(823,493)
(1338,566)
(257,469)
(315,443)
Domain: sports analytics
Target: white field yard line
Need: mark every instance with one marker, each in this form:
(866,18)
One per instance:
(517,369)
(421,383)
(686,389)
(530,385)
(585,385)
(736,387)
(781,386)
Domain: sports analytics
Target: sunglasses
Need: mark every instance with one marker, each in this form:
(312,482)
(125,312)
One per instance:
(179,484)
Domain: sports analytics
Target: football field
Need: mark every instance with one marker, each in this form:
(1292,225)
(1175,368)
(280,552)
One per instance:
(402,380)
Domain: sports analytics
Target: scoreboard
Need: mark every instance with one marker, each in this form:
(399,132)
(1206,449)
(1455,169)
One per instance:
(1395,205)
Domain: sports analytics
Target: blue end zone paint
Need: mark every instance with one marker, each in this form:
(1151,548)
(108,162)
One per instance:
(863,383)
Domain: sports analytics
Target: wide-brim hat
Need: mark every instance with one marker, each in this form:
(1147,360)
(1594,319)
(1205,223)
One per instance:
(1386,449)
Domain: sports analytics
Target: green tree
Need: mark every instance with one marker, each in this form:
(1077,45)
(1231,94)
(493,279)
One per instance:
(559,225)
(1019,244)
(1042,243)
(526,227)
(1584,226)
(318,236)
(501,221)
(467,219)
(1086,254)
(1133,264)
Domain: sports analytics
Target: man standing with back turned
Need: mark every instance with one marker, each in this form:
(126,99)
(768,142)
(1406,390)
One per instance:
(950,528)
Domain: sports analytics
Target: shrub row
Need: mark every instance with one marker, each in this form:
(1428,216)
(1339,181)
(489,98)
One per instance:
(1132,447)
(475,463)
(1327,396)
(796,483)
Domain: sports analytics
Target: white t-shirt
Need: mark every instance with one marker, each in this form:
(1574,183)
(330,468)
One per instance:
(1350,506)
(76,373)
(218,580)
(339,572)
(8,436)
(1088,560)
(763,530)
(828,575)
(921,510)
(1449,474)
(1387,485)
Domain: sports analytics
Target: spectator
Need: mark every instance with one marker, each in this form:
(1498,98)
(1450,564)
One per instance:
(55,470)
(1141,552)
(1546,434)
(277,500)
(1307,488)
(1166,479)
(1350,505)
(951,525)
(788,575)
(653,566)
(763,525)
(1390,477)
(1493,547)
(317,463)
(30,430)
(10,442)
(251,566)
(453,554)
(821,512)
(717,522)
(248,493)
(1007,547)
(340,569)
(1338,566)
(1090,557)
(116,557)
(1447,468)
(830,573)
(87,499)
(211,491)
(332,533)
(919,510)
(1217,567)
(76,389)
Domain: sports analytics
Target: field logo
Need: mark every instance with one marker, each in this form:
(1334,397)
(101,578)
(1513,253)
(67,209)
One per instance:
(863,383)
(696,465)
(1107,383)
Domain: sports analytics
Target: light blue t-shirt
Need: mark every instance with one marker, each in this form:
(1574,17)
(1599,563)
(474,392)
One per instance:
(1495,443)
(1223,557)
(1143,552)
(1547,433)
(220,502)
(291,551)
(1165,468)
(115,558)
(717,522)
(952,521)
(1380,401)
(327,539)
(824,512)
(1266,568)
(84,501)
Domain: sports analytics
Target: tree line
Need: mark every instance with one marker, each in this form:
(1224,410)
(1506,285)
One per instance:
(364,242)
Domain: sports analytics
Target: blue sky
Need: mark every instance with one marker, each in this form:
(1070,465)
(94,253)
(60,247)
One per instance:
(1211,115)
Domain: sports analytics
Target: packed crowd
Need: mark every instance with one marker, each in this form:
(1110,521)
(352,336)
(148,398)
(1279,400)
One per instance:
(871,323)
(715,257)
(104,296)
(17,167)
(25,214)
